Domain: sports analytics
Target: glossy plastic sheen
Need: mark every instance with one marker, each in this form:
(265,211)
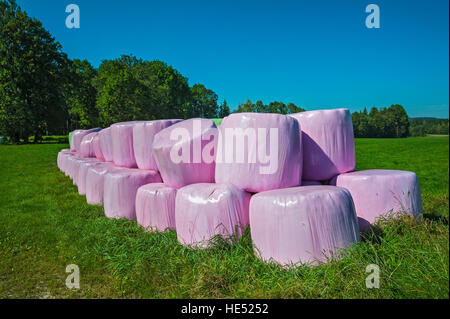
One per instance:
(378,192)
(105,141)
(97,149)
(77,137)
(205,210)
(61,154)
(143,136)
(76,165)
(328,143)
(87,145)
(82,172)
(122,144)
(270,156)
(95,182)
(155,206)
(196,140)
(120,188)
(302,224)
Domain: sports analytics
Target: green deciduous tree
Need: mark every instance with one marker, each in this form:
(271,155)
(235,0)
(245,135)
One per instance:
(224,110)
(32,71)
(130,89)
(272,107)
(203,102)
(384,122)
(80,95)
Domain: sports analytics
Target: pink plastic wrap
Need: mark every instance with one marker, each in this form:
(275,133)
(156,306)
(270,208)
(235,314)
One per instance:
(97,149)
(302,224)
(378,192)
(184,152)
(77,137)
(258,152)
(105,140)
(120,188)
(61,154)
(76,164)
(122,144)
(95,182)
(155,206)
(205,210)
(87,145)
(70,164)
(143,136)
(64,162)
(311,183)
(328,143)
(82,172)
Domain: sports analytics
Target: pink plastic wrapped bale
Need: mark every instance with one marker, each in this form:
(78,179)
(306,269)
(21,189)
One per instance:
(64,162)
(122,144)
(379,192)
(87,146)
(97,149)
(70,163)
(328,143)
(302,224)
(105,141)
(184,152)
(258,152)
(155,206)
(95,182)
(120,188)
(77,137)
(61,154)
(82,172)
(311,183)
(205,210)
(143,136)
(76,165)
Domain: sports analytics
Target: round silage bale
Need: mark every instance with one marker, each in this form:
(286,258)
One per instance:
(380,192)
(184,152)
(328,143)
(258,152)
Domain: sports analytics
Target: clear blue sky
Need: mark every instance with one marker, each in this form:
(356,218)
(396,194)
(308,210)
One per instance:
(316,53)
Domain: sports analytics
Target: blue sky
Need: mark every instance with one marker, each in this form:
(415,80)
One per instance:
(316,53)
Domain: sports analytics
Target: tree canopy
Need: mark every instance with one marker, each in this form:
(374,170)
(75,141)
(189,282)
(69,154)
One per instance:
(272,107)
(384,122)
(32,71)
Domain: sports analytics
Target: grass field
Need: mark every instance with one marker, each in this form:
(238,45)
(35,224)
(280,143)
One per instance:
(45,225)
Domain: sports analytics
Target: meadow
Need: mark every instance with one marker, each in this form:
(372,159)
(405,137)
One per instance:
(45,225)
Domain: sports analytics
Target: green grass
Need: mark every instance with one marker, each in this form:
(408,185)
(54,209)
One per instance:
(45,225)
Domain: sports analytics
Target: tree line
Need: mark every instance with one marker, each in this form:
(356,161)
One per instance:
(421,126)
(384,122)
(44,92)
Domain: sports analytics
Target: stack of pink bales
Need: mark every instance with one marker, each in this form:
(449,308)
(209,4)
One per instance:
(290,177)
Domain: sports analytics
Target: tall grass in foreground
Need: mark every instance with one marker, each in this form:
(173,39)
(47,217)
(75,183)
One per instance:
(45,225)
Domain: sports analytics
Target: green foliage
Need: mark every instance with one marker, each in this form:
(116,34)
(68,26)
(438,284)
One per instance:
(203,102)
(422,126)
(224,110)
(272,107)
(32,69)
(45,225)
(386,122)
(133,89)
(80,95)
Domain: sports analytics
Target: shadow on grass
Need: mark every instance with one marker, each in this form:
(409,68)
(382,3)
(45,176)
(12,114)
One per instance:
(440,219)
(372,235)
